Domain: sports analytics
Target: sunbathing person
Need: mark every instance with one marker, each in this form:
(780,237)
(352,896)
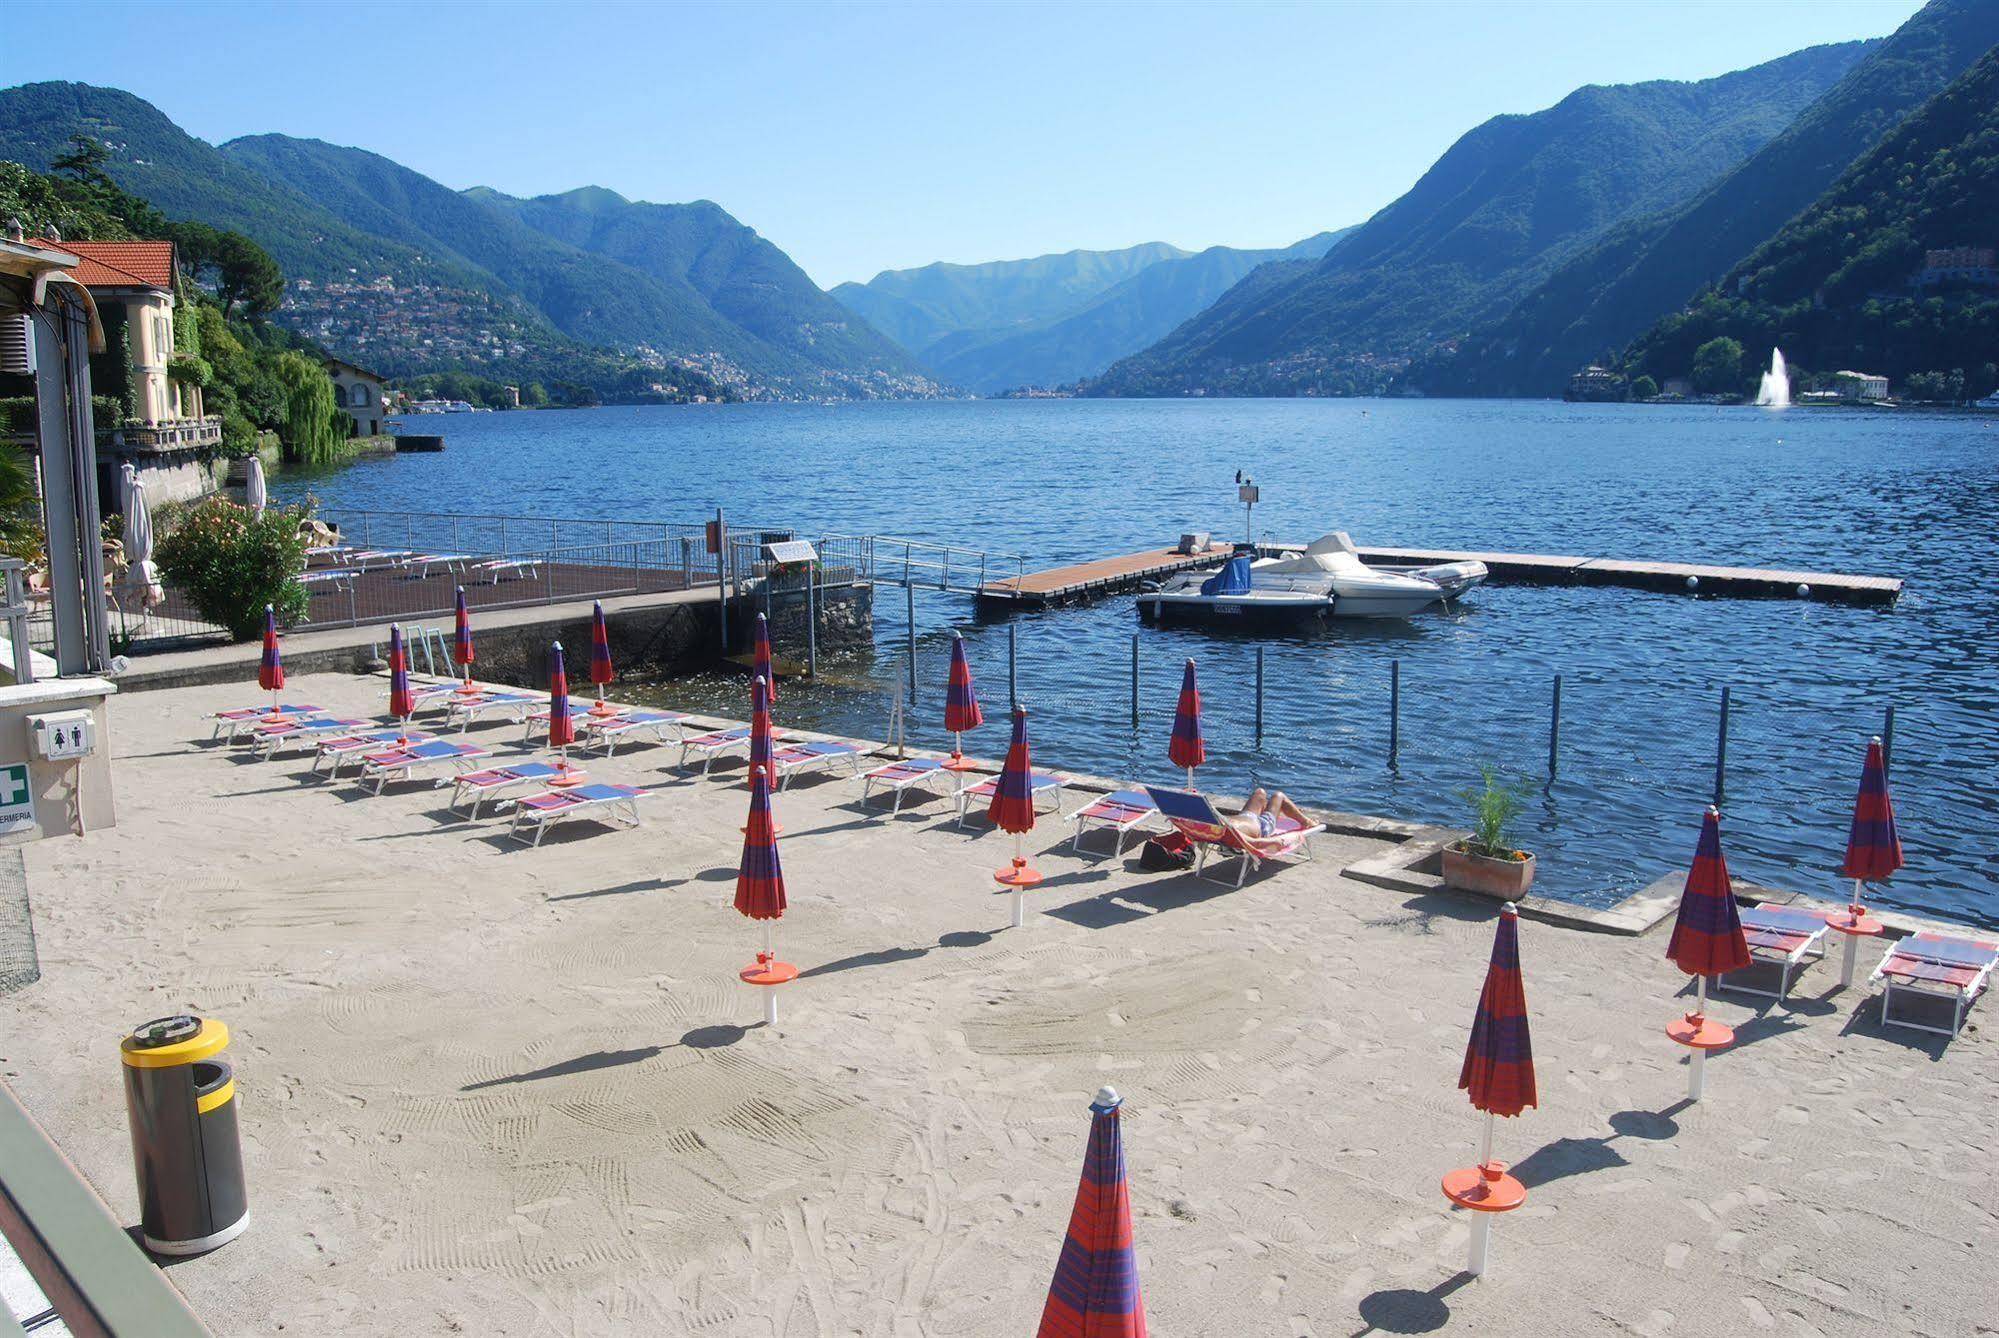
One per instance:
(1265,814)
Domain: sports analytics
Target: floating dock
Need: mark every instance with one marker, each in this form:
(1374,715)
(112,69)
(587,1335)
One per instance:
(1087,580)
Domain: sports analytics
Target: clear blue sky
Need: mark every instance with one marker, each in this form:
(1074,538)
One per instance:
(866,137)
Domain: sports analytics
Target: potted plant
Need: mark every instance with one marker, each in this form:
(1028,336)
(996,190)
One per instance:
(1486,861)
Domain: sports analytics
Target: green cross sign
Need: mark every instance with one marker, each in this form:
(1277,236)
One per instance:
(13,786)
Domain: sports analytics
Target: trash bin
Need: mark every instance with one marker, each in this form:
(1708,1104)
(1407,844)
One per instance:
(180,1096)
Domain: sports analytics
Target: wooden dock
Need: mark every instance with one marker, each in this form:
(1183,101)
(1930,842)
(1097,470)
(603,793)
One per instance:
(1103,576)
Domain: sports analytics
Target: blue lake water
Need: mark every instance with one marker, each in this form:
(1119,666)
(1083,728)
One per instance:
(1881,493)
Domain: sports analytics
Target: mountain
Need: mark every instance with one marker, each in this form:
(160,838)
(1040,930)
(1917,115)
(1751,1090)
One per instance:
(1857,281)
(737,274)
(1496,215)
(1600,300)
(1054,320)
(917,307)
(395,271)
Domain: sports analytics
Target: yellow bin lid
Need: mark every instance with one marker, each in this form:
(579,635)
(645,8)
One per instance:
(169,1041)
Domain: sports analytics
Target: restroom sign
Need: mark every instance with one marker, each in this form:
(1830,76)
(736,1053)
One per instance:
(17,800)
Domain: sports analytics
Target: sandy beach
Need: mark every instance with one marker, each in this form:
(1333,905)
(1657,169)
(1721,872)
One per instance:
(494,1090)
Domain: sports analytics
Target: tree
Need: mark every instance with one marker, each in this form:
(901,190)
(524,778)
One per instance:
(84,161)
(534,395)
(308,433)
(1644,388)
(1718,367)
(247,274)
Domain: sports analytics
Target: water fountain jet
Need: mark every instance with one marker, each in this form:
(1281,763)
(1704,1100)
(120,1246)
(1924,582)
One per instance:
(1774,391)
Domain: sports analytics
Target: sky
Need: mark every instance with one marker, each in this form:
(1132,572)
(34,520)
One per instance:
(863,137)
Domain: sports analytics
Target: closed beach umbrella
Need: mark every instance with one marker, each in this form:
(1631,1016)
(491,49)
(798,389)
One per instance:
(1873,850)
(1095,1292)
(143,573)
(760,893)
(761,663)
(600,653)
(402,702)
(462,653)
(1012,810)
(961,703)
(1187,748)
(255,495)
(761,743)
(270,668)
(1498,1076)
(561,725)
(1707,940)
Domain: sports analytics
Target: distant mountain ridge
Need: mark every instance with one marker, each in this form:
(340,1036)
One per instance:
(1597,302)
(1494,216)
(1056,319)
(395,271)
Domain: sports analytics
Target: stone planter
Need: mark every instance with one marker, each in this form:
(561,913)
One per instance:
(1507,879)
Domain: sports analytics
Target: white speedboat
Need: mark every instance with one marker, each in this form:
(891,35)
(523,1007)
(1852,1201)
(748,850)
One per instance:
(1326,580)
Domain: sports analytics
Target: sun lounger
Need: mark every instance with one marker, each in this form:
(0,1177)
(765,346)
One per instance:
(1039,783)
(1942,966)
(496,568)
(718,742)
(401,764)
(494,782)
(1195,818)
(794,758)
(340,578)
(369,559)
(1786,936)
(536,721)
(1118,812)
(617,805)
(241,720)
(270,740)
(421,563)
(609,731)
(335,751)
(462,709)
(898,777)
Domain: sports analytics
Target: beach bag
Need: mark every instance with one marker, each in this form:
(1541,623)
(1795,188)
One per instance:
(1166,853)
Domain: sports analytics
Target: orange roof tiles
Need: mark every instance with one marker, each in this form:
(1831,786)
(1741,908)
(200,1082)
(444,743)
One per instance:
(122,264)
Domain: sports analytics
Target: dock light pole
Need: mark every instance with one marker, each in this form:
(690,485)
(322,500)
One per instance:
(1249,495)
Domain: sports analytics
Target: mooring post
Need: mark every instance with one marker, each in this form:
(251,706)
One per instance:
(1012,665)
(1721,750)
(1259,696)
(1134,682)
(1394,709)
(910,605)
(1888,738)
(1555,728)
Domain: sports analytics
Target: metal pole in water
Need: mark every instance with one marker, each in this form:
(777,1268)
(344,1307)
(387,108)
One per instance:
(1555,728)
(721,578)
(1012,665)
(1721,750)
(1134,681)
(812,619)
(1394,709)
(910,591)
(1259,695)
(1888,738)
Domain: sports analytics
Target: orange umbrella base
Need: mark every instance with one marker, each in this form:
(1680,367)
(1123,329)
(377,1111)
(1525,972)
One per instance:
(467,690)
(1862,925)
(959,762)
(768,973)
(1700,1033)
(1018,874)
(1484,1189)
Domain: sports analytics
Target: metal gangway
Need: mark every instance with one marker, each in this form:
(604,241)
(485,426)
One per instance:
(919,564)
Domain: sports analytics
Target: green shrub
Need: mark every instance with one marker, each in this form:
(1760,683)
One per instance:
(231,563)
(1644,388)
(1494,806)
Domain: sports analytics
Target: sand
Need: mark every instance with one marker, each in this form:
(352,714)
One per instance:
(494,1090)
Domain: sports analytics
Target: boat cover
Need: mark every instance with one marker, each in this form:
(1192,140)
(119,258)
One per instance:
(1232,579)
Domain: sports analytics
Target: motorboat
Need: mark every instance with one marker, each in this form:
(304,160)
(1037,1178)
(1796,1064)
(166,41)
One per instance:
(1326,579)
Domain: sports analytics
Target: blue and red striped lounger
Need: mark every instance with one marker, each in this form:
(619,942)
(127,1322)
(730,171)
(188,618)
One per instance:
(1195,818)
(468,707)
(270,740)
(1039,783)
(402,764)
(1786,936)
(1118,812)
(1940,965)
(536,721)
(793,758)
(242,719)
(340,747)
(617,805)
(491,783)
(897,777)
(717,742)
(610,730)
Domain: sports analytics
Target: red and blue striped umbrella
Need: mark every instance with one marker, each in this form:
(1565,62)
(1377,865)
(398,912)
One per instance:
(561,725)
(760,661)
(1707,934)
(402,702)
(961,703)
(271,669)
(1095,1292)
(759,877)
(600,648)
(761,743)
(1873,849)
(1012,806)
(1498,1072)
(461,639)
(1187,748)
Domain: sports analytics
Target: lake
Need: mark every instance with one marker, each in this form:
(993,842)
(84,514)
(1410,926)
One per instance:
(1880,493)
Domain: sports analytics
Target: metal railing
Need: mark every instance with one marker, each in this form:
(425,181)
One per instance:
(921,564)
(18,614)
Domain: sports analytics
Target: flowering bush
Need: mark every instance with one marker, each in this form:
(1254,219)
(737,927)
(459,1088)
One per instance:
(231,563)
